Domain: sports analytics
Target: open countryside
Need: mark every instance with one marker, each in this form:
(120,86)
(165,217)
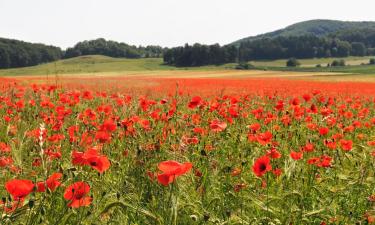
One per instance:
(277,128)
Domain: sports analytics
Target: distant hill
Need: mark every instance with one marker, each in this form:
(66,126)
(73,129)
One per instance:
(14,53)
(317,28)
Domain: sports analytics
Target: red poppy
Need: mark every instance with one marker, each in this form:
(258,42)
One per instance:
(346,145)
(296,155)
(102,136)
(92,158)
(264,138)
(53,181)
(171,170)
(325,161)
(5,161)
(323,130)
(19,189)
(277,172)
(217,126)
(273,153)
(308,147)
(40,186)
(108,126)
(261,166)
(195,101)
(77,195)
(99,163)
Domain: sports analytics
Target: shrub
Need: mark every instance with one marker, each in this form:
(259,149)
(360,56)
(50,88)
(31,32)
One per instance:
(244,66)
(292,62)
(340,62)
(372,61)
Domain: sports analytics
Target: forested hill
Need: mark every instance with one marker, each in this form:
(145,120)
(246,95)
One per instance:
(310,39)
(317,28)
(14,53)
(114,49)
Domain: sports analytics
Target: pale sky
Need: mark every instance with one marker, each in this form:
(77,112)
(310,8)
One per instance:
(165,22)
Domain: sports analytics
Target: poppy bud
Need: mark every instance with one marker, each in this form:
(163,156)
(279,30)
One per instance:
(31,203)
(206,217)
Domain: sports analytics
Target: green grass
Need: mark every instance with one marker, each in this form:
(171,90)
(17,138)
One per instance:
(352,61)
(354,65)
(362,69)
(98,64)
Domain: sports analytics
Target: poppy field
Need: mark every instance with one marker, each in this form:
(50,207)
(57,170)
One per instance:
(186,151)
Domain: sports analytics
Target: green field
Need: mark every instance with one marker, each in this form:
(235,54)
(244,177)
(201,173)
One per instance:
(350,61)
(103,65)
(98,64)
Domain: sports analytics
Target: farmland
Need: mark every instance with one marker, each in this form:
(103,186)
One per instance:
(101,66)
(187,113)
(105,144)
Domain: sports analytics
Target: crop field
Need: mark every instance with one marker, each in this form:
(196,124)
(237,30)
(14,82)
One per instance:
(352,61)
(182,150)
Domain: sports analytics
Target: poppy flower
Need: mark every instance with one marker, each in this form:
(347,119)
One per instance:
(273,153)
(218,126)
(19,189)
(53,181)
(77,195)
(40,186)
(261,166)
(323,131)
(108,126)
(325,161)
(102,136)
(264,138)
(92,158)
(277,172)
(99,163)
(296,155)
(171,170)
(5,161)
(346,145)
(195,101)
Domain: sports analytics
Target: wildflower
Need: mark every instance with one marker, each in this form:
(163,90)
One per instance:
(171,170)
(346,145)
(77,195)
(19,189)
(261,166)
(296,155)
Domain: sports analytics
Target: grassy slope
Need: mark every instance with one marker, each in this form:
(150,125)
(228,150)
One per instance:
(99,64)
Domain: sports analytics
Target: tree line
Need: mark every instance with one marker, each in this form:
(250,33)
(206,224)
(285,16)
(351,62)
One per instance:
(343,44)
(302,47)
(15,53)
(199,55)
(356,42)
(113,49)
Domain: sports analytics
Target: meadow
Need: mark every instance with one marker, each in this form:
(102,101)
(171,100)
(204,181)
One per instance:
(110,142)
